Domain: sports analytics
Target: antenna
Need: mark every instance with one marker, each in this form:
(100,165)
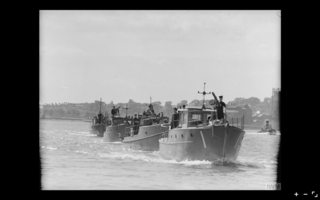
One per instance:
(204,93)
(100,105)
(126,109)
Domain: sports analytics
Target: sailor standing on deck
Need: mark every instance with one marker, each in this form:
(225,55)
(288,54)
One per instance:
(175,118)
(150,111)
(135,124)
(114,111)
(100,117)
(219,107)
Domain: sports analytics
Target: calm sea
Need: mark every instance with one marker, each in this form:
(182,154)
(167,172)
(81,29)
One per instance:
(74,159)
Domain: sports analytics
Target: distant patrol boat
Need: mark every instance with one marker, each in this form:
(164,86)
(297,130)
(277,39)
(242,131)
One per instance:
(195,138)
(99,124)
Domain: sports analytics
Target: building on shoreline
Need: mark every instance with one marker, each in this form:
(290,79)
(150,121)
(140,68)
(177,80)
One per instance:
(237,111)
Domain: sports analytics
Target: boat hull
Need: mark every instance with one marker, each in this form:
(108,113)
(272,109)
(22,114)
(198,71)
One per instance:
(113,133)
(98,129)
(272,133)
(147,138)
(203,143)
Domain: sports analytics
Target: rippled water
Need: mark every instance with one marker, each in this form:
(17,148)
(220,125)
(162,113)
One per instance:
(74,159)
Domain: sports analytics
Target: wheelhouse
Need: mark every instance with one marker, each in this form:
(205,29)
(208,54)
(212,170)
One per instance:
(194,117)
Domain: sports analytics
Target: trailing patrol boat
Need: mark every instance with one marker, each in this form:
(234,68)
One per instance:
(117,127)
(197,138)
(145,135)
(99,123)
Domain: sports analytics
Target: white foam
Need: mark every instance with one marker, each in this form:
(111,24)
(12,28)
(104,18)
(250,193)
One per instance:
(84,152)
(118,142)
(85,135)
(155,158)
(51,148)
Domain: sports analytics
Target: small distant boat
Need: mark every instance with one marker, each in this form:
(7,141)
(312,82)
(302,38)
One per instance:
(270,131)
(146,135)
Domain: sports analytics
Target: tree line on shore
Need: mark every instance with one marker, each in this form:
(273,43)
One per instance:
(89,110)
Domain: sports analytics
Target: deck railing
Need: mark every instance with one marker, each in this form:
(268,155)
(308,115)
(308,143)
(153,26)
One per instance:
(237,122)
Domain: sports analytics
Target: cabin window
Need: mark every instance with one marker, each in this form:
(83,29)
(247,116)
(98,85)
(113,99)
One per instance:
(195,118)
(183,118)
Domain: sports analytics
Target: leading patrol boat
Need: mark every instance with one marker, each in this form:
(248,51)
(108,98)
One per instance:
(197,138)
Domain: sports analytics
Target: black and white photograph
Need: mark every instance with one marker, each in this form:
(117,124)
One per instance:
(159,99)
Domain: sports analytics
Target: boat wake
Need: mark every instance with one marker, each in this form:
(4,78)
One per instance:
(50,148)
(154,157)
(86,134)
(116,143)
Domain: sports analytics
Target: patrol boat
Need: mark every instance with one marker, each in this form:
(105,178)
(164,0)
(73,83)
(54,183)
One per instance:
(145,136)
(117,127)
(196,138)
(98,128)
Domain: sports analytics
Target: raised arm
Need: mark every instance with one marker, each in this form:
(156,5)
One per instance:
(215,98)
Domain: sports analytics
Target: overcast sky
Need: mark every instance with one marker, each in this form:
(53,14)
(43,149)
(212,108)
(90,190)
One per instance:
(166,55)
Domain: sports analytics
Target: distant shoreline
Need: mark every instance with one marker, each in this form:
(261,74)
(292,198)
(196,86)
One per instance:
(68,118)
(248,127)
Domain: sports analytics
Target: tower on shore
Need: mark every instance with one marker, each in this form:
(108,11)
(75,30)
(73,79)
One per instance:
(275,108)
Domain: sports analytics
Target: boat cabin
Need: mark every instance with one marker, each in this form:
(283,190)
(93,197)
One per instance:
(194,116)
(121,120)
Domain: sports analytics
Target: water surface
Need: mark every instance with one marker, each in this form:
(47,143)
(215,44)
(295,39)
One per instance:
(74,159)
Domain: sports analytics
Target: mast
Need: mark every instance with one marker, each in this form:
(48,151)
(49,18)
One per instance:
(126,109)
(204,93)
(100,106)
(272,104)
